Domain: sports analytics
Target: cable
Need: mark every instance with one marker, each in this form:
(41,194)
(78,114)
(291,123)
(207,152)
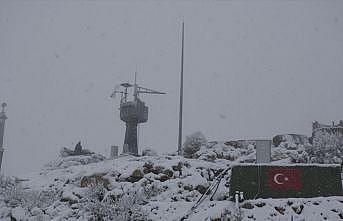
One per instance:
(211,198)
(214,185)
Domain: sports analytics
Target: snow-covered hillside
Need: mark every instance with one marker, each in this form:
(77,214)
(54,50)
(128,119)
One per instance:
(162,187)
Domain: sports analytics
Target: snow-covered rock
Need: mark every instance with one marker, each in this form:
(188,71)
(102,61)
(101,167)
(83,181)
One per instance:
(290,140)
(229,151)
(19,213)
(67,161)
(149,152)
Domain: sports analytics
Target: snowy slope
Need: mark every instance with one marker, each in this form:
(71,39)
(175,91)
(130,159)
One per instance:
(161,187)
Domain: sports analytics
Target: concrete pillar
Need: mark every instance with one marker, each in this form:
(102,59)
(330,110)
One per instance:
(3,118)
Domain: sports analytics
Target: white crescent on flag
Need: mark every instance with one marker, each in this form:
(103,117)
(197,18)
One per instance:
(285,179)
(278,181)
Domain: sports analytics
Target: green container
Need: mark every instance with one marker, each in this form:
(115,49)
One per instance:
(286,181)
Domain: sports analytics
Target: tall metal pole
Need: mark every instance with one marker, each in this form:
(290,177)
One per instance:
(3,118)
(179,150)
(135,95)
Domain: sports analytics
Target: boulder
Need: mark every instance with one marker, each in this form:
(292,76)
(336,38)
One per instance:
(168,172)
(158,169)
(149,152)
(95,179)
(201,189)
(163,178)
(135,176)
(148,167)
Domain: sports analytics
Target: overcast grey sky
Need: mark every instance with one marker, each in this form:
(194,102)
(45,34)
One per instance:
(253,69)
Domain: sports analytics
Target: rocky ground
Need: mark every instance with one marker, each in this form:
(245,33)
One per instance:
(162,187)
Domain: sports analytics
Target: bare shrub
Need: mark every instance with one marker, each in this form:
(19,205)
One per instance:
(126,206)
(193,143)
(14,195)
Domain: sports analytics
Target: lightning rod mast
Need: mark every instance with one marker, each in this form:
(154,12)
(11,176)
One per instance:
(3,118)
(179,150)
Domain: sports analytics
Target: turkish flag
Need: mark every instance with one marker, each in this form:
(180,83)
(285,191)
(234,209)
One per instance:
(285,179)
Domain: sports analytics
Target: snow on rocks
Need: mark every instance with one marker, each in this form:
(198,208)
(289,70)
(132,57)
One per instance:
(161,187)
(329,208)
(229,151)
(19,213)
(67,161)
(149,152)
(176,210)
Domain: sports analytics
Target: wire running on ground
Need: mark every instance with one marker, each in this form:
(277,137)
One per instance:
(213,186)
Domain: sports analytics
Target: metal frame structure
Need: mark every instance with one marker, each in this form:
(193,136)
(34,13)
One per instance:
(133,113)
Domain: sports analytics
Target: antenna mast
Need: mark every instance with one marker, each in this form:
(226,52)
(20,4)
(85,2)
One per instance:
(179,150)
(135,94)
(3,118)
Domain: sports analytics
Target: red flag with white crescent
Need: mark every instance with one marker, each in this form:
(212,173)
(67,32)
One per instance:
(285,179)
